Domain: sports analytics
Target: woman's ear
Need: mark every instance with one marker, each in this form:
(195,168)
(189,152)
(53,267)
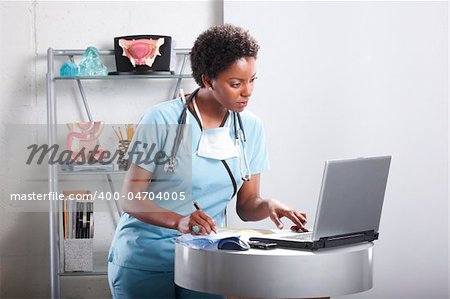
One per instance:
(207,82)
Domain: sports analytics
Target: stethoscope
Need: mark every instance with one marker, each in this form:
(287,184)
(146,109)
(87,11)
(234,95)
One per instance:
(239,136)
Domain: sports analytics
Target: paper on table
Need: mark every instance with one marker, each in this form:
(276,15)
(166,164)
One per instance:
(257,231)
(208,241)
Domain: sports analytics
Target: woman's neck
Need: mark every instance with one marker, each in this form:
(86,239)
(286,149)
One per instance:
(212,112)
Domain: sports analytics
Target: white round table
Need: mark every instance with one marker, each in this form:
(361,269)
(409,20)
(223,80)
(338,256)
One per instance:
(277,273)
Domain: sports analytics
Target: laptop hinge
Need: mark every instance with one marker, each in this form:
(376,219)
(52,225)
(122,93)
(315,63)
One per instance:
(366,236)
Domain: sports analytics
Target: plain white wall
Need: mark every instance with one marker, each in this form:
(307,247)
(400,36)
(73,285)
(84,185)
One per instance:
(27,29)
(350,79)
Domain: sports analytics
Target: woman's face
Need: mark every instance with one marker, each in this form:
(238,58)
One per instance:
(233,86)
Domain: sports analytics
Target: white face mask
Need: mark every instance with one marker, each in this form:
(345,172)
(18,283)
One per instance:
(216,143)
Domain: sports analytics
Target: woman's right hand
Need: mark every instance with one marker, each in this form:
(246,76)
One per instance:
(198,218)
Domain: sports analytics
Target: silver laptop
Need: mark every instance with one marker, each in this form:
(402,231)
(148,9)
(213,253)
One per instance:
(349,207)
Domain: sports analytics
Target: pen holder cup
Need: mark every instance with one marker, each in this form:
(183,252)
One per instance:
(123,148)
(78,255)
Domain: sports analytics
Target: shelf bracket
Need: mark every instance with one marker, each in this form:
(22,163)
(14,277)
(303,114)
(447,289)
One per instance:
(111,186)
(183,66)
(83,95)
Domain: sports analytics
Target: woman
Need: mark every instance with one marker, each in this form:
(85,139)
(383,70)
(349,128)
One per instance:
(141,259)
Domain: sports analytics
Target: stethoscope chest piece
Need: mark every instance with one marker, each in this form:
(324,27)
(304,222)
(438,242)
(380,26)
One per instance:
(170,166)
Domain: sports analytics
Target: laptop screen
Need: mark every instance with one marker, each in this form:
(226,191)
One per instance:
(351,196)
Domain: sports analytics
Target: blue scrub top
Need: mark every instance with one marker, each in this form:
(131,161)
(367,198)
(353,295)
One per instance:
(140,245)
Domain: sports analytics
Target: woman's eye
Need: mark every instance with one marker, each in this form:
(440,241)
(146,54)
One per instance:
(235,85)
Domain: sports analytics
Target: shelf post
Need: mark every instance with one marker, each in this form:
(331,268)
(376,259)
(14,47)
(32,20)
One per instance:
(52,179)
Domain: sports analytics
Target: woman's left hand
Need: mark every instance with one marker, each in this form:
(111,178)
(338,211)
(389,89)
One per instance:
(278,210)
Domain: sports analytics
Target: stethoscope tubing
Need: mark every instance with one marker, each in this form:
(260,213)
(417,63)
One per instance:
(180,130)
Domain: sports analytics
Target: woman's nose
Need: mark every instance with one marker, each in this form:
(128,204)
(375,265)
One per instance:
(247,91)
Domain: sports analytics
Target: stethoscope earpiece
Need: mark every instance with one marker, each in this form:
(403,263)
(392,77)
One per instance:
(246,178)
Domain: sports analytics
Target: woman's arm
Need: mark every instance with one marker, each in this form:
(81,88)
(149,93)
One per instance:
(251,207)
(137,181)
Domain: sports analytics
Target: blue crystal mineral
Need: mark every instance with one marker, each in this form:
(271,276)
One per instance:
(68,69)
(91,65)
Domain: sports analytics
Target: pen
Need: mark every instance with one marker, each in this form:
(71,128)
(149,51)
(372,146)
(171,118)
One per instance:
(120,133)
(197,207)
(115,132)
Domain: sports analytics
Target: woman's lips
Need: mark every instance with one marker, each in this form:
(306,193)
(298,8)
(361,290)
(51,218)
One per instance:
(243,104)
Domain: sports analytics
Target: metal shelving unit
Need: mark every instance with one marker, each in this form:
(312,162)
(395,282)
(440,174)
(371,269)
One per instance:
(56,247)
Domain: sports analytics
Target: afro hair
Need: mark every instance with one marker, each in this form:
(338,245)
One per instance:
(217,48)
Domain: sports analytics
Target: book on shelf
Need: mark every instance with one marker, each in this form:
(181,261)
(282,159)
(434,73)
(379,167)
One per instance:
(78,215)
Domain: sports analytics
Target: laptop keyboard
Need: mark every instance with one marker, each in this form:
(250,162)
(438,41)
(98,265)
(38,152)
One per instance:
(300,237)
